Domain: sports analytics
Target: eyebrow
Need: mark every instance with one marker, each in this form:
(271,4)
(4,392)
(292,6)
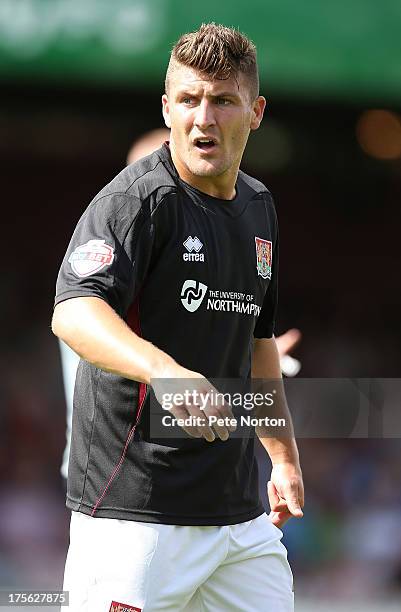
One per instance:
(223,94)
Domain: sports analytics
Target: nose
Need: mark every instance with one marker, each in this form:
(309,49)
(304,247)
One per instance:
(204,116)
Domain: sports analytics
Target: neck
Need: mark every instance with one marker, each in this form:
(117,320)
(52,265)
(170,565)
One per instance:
(217,187)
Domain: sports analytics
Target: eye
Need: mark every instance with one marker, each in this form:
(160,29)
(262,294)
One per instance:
(223,101)
(187,100)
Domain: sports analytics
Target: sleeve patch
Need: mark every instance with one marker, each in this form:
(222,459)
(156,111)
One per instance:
(91,257)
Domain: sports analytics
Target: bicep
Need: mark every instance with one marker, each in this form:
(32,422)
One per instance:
(72,316)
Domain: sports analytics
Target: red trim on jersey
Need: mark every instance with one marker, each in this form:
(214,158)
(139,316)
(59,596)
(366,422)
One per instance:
(134,324)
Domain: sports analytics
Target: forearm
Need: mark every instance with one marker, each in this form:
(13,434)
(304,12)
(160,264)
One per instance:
(266,367)
(281,450)
(279,442)
(94,331)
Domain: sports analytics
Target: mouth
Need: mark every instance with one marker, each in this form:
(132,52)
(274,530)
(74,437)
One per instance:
(205,144)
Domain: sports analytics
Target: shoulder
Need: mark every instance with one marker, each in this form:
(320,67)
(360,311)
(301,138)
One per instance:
(149,176)
(139,187)
(256,189)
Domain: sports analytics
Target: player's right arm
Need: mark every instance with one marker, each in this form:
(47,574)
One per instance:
(94,330)
(97,334)
(99,282)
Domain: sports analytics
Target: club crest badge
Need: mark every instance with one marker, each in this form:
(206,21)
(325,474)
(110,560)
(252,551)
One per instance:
(91,257)
(263,257)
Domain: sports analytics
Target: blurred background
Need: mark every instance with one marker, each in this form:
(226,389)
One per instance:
(80,81)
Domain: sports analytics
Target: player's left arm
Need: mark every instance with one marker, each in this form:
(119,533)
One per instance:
(285,488)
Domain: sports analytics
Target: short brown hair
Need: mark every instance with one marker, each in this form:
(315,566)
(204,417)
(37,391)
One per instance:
(218,52)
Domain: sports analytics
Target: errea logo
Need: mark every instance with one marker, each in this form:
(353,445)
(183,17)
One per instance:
(193,246)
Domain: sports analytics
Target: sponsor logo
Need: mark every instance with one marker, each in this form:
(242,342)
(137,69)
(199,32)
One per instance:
(224,304)
(193,246)
(192,294)
(263,257)
(91,257)
(119,607)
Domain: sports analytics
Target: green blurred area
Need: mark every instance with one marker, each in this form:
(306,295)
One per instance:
(343,49)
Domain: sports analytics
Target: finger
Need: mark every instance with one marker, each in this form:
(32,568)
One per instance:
(230,421)
(293,505)
(219,424)
(288,341)
(192,431)
(179,412)
(221,409)
(202,426)
(282,504)
(214,423)
(301,496)
(217,420)
(274,498)
(277,503)
(279,519)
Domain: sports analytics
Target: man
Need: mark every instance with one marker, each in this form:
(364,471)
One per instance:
(179,525)
(145,145)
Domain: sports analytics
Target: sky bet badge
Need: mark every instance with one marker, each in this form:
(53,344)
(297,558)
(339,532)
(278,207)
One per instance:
(91,257)
(263,257)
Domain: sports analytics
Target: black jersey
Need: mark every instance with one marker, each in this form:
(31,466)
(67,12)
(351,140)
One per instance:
(197,277)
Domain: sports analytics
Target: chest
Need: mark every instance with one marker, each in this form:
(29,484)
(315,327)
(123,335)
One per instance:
(222,250)
(220,260)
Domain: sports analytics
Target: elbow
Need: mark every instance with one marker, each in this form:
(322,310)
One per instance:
(59,325)
(55,327)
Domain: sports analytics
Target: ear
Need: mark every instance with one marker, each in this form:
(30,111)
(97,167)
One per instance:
(257,112)
(166,110)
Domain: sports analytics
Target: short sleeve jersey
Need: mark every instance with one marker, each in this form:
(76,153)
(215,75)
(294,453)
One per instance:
(197,277)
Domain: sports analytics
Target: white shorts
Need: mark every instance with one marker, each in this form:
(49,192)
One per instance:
(149,567)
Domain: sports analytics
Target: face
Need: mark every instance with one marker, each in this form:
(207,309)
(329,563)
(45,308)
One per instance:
(210,123)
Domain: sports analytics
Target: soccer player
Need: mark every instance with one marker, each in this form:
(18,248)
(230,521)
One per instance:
(171,274)
(145,145)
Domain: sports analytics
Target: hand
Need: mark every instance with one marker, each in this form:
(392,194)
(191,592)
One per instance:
(285,345)
(286,493)
(288,341)
(191,395)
